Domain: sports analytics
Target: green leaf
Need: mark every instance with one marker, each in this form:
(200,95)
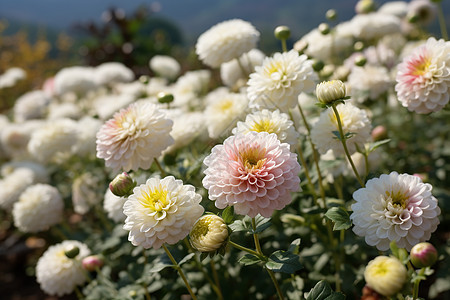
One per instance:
(228,214)
(340,217)
(295,246)
(394,248)
(284,261)
(160,266)
(249,259)
(262,227)
(320,291)
(375,145)
(240,225)
(186,258)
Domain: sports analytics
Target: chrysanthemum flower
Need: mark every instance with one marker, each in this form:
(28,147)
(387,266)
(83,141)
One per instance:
(253,172)
(386,275)
(235,71)
(271,122)
(78,80)
(39,207)
(113,205)
(161,211)
(165,66)
(111,73)
(368,82)
(134,137)
(354,121)
(225,41)
(208,233)
(56,273)
(280,79)
(423,77)
(395,207)
(31,105)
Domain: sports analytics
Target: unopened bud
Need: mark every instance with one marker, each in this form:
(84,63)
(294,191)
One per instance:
(331,14)
(144,79)
(423,255)
(324,28)
(365,6)
(379,133)
(360,60)
(209,233)
(92,262)
(358,46)
(122,185)
(72,251)
(330,91)
(386,275)
(164,97)
(318,65)
(282,32)
(300,46)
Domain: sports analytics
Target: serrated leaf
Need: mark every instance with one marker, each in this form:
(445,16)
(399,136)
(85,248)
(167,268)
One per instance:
(239,225)
(249,259)
(284,261)
(228,214)
(375,145)
(320,291)
(295,246)
(340,218)
(186,258)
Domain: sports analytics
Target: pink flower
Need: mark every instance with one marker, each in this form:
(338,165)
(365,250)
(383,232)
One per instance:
(423,78)
(254,172)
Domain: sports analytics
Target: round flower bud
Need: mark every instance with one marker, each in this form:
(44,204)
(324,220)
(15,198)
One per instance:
(365,6)
(386,275)
(423,255)
(324,28)
(208,233)
(412,18)
(282,32)
(144,79)
(164,97)
(92,262)
(358,46)
(300,46)
(331,14)
(71,251)
(360,60)
(379,133)
(122,185)
(318,65)
(329,91)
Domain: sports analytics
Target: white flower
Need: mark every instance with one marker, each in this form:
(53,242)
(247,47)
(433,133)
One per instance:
(279,81)
(374,25)
(161,211)
(368,82)
(31,105)
(15,137)
(53,138)
(223,110)
(186,127)
(189,87)
(110,73)
(64,110)
(424,10)
(78,80)
(354,121)
(39,207)
(232,72)
(134,137)
(105,106)
(396,8)
(85,193)
(225,41)
(165,66)
(86,139)
(113,205)
(330,91)
(56,273)
(271,122)
(208,233)
(395,207)
(11,77)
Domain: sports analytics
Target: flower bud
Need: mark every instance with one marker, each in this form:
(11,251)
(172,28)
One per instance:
(209,233)
(360,60)
(365,6)
(318,65)
(412,18)
(423,255)
(331,14)
(358,46)
(92,262)
(300,46)
(386,275)
(122,185)
(379,133)
(324,28)
(330,91)
(144,79)
(71,251)
(282,32)
(164,97)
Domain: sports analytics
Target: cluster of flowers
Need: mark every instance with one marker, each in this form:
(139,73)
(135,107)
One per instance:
(253,120)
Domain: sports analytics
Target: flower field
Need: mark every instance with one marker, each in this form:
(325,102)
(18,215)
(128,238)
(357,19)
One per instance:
(318,171)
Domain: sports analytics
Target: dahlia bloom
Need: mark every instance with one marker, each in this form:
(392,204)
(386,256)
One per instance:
(225,41)
(253,172)
(395,207)
(39,207)
(78,80)
(11,77)
(113,205)
(134,137)
(161,211)
(423,77)
(31,105)
(208,233)
(280,79)
(368,82)
(110,73)
(386,275)
(234,71)
(56,273)
(165,66)
(353,119)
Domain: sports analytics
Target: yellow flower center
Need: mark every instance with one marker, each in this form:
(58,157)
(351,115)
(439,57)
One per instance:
(380,269)
(263,126)
(422,67)
(399,198)
(253,158)
(226,105)
(201,228)
(155,200)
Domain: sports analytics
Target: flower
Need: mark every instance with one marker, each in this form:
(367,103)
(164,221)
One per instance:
(161,211)
(56,273)
(86,139)
(422,11)
(423,255)
(134,137)
(423,77)
(208,233)
(386,275)
(39,207)
(254,172)
(353,120)
(113,205)
(395,207)
(15,137)
(271,122)
(330,91)
(165,66)
(11,77)
(368,82)
(225,41)
(110,73)
(85,192)
(280,79)
(78,80)
(31,105)
(232,72)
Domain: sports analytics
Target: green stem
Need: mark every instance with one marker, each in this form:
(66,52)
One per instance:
(179,272)
(147,294)
(216,279)
(344,144)
(308,177)
(78,292)
(441,19)
(283,45)
(237,246)
(416,284)
(255,238)
(163,173)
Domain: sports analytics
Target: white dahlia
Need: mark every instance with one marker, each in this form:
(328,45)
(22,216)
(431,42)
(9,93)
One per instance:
(271,122)
(31,105)
(423,77)
(65,110)
(165,66)
(280,79)
(253,172)
(39,207)
(374,25)
(395,207)
(235,71)
(15,137)
(11,77)
(110,73)
(85,192)
(12,185)
(113,205)
(208,233)
(161,211)
(368,82)
(354,121)
(56,273)
(134,137)
(78,80)
(86,140)
(225,41)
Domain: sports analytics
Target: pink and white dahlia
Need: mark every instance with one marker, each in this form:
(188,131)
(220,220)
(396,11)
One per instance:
(134,137)
(423,77)
(395,207)
(254,172)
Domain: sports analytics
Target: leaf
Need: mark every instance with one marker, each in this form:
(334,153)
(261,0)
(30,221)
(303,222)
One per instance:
(262,227)
(340,217)
(284,261)
(249,259)
(375,145)
(159,266)
(294,246)
(320,291)
(186,258)
(239,225)
(228,214)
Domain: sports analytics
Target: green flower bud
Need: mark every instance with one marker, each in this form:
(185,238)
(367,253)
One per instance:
(324,28)
(164,97)
(72,251)
(423,255)
(331,14)
(412,18)
(144,79)
(122,185)
(330,91)
(360,60)
(282,32)
(358,46)
(365,6)
(318,65)
(209,233)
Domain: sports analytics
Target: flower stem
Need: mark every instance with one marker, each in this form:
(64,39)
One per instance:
(216,279)
(283,45)
(179,272)
(416,284)
(255,238)
(237,246)
(344,144)
(163,173)
(441,19)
